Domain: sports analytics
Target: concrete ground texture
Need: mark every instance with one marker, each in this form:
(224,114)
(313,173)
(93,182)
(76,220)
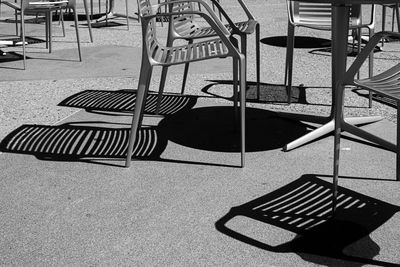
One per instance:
(67,200)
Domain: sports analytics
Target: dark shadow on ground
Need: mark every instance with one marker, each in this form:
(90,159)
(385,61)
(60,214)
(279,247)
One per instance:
(269,93)
(378,98)
(124,101)
(215,129)
(299,42)
(79,142)
(302,209)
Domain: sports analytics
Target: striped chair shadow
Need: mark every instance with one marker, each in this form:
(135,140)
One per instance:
(304,207)
(68,142)
(124,101)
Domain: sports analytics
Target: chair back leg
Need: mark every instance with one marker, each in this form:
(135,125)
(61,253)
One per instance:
(23,38)
(77,32)
(85,5)
(289,62)
(398,143)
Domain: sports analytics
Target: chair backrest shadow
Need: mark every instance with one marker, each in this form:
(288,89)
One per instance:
(75,142)
(304,207)
(124,101)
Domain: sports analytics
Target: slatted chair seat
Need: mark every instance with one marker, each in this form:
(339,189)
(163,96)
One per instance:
(189,27)
(188,53)
(386,83)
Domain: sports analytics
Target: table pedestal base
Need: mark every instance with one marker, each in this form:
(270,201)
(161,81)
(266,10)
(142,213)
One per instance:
(327,127)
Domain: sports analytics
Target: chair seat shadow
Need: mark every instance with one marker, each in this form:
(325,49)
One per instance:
(269,93)
(303,207)
(215,129)
(124,101)
(75,142)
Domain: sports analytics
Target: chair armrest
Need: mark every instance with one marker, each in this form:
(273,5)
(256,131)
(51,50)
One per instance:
(214,23)
(210,14)
(365,52)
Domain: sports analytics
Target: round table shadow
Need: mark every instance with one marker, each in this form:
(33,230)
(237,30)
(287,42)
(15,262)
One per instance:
(300,41)
(214,129)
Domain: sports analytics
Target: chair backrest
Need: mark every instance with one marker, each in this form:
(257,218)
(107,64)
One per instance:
(318,15)
(184,24)
(43,4)
(149,31)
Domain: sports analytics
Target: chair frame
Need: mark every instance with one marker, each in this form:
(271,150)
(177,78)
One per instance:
(47,8)
(151,47)
(206,32)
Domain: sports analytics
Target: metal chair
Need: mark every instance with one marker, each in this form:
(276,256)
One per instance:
(395,15)
(156,54)
(47,8)
(188,27)
(386,84)
(318,16)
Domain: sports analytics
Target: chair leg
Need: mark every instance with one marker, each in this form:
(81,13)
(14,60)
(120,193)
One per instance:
(50,19)
(88,18)
(370,66)
(62,21)
(235,89)
(289,62)
(383,22)
(145,74)
(77,32)
(258,59)
(185,72)
(398,143)
(242,74)
(23,38)
(161,88)
(127,15)
(397,16)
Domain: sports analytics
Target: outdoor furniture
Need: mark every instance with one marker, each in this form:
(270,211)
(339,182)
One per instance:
(111,14)
(47,8)
(156,54)
(318,16)
(386,84)
(187,27)
(61,19)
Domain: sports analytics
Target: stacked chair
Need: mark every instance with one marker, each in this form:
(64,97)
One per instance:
(154,53)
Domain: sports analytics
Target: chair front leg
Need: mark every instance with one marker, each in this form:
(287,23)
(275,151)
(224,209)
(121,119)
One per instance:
(145,75)
(242,75)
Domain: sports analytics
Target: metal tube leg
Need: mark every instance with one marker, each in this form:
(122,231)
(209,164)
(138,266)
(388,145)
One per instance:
(185,72)
(242,74)
(127,16)
(77,33)
(289,62)
(145,73)
(258,59)
(235,88)
(88,18)
(23,38)
(398,143)
(161,88)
